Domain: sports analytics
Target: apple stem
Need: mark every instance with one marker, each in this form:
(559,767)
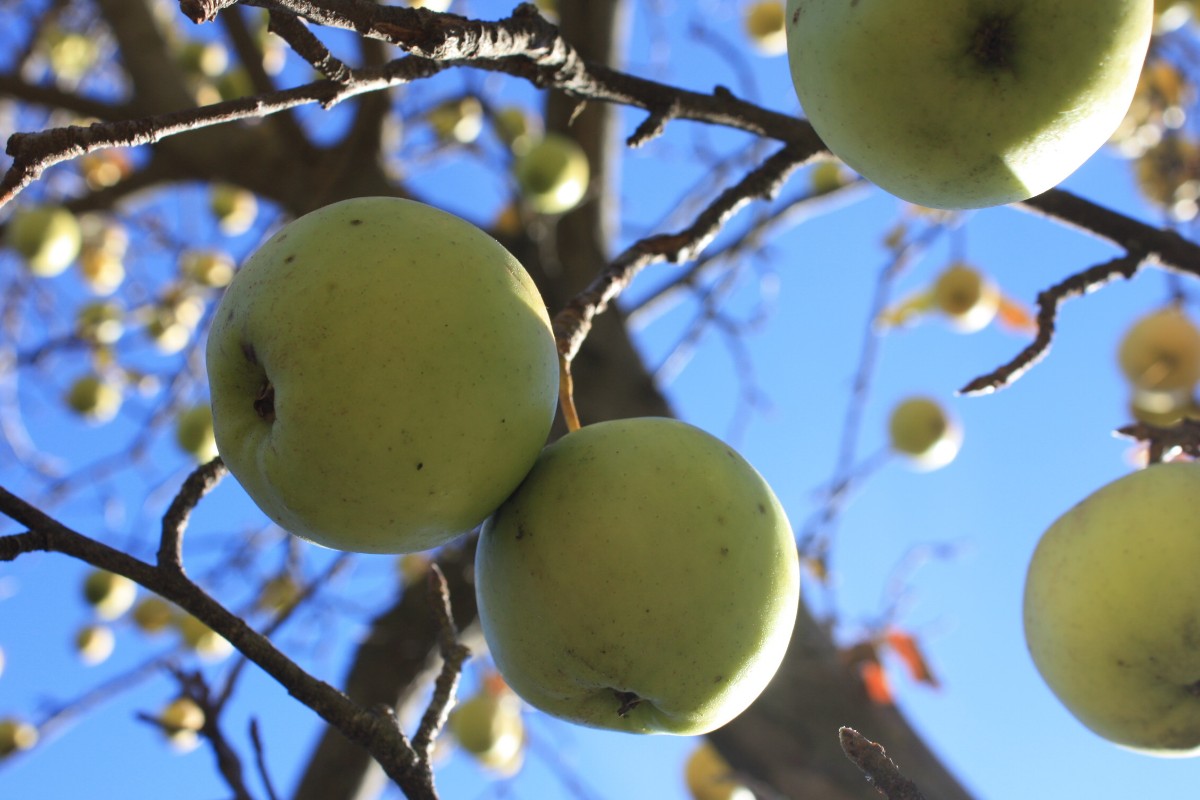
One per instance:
(629,701)
(566,394)
(264,403)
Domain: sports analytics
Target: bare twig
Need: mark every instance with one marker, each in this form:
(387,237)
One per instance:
(880,771)
(203,480)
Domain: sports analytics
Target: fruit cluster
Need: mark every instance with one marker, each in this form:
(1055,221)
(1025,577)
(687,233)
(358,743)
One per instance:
(384,377)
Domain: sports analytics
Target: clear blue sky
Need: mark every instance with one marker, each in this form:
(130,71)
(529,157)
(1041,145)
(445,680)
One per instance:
(1030,452)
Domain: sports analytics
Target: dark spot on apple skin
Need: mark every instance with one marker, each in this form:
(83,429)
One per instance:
(264,403)
(719,679)
(420,465)
(724,551)
(289,259)
(520,531)
(1192,689)
(628,702)
(994,42)
(248,352)
(356,222)
(762,509)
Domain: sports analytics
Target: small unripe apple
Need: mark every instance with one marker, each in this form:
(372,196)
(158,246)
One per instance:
(553,174)
(194,433)
(94,398)
(967,297)
(70,54)
(110,595)
(488,725)
(203,640)
(211,268)
(1160,353)
(234,207)
(828,176)
(100,323)
(94,644)
(102,270)
(383,375)
(16,735)
(153,615)
(47,237)
(209,59)
(1110,610)
(921,429)
(709,777)
(517,128)
(642,578)
(181,721)
(460,120)
(765,26)
(278,594)
(171,321)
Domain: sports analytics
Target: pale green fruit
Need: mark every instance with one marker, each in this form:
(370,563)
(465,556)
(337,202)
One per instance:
(517,128)
(643,578)
(209,59)
(94,399)
(383,375)
(110,595)
(70,54)
(922,430)
(94,644)
(102,271)
(764,24)
(203,640)
(100,323)
(153,615)
(16,735)
(1161,352)
(194,433)
(278,594)
(47,237)
(460,120)
(968,298)
(212,268)
(553,174)
(488,725)
(1110,610)
(234,207)
(181,721)
(966,103)
(709,777)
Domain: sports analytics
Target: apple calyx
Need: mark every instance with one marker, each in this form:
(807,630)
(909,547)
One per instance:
(629,701)
(264,402)
(992,45)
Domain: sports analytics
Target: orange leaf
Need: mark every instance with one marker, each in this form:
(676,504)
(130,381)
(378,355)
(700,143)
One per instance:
(905,646)
(1015,317)
(876,682)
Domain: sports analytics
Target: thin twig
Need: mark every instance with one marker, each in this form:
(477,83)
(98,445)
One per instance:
(880,771)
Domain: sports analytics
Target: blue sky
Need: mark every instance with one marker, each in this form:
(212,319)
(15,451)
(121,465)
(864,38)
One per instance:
(1029,453)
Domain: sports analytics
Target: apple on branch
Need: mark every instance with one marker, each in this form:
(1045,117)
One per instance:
(553,174)
(1160,358)
(16,735)
(383,375)
(643,578)
(1110,610)
(47,237)
(966,103)
(110,595)
(920,429)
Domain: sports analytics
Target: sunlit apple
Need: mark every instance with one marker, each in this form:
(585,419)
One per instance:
(194,433)
(16,735)
(100,323)
(553,174)
(47,237)
(181,721)
(460,120)
(94,644)
(966,296)
(94,398)
(643,578)
(110,595)
(920,429)
(389,407)
(203,640)
(153,615)
(709,777)
(1160,357)
(488,725)
(1110,610)
(764,23)
(234,207)
(211,268)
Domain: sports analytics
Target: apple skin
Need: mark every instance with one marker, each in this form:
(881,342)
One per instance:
(553,174)
(640,559)
(1110,610)
(921,429)
(413,370)
(928,100)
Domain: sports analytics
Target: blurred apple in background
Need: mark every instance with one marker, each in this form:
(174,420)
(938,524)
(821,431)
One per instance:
(968,298)
(203,640)
(211,268)
(642,578)
(962,103)
(94,644)
(488,725)
(15,735)
(154,615)
(47,237)
(234,207)
(764,23)
(1110,610)
(181,721)
(100,323)
(94,398)
(552,174)
(920,429)
(110,595)
(194,433)
(1160,358)
(709,777)
(460,120)
(368,442)
(517,128)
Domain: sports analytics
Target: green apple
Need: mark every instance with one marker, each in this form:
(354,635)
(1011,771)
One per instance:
(968,298)
(201,639)
(47,237)
(16,735)
(171,321)
(110,595)
(1160,357)
(278,594)
(210,268)
(764,23)
(460,120)
(828,176)
(194,433)
(383,375)
(103,271)
(100,322)
(208,59)
(153,615)
(94,398)
(234,207)
(488,725)
(643,578)
(181,721)
(94,644)
(70,54)
(709,777)
(517,128)
(553,174)
(1110,610)
(922,430)
(966,103)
